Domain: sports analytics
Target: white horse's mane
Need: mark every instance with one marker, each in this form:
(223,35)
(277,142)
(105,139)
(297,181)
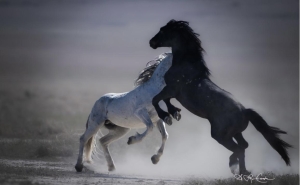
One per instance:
(148,71)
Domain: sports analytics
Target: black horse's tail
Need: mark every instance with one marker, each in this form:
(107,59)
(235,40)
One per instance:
(270,133)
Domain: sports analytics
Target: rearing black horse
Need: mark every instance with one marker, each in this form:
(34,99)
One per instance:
(188,81)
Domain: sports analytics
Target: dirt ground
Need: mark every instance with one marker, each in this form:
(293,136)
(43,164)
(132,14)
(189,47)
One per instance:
(59,173)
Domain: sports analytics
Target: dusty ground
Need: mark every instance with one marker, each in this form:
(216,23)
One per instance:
(50,172)
(29,172)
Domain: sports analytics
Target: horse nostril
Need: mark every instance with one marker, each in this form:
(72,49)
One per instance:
(153,44)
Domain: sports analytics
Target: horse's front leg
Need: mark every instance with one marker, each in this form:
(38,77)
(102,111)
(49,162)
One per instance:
(174,111)
(166,93)
(164,135)
(143,115)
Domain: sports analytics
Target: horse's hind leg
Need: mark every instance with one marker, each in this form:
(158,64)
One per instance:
(115,133)
(162,129)
(95,121)
(243,144)
(233,159)
(227,142)
(86,139)
(241,140)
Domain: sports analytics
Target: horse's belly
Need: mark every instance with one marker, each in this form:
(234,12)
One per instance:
(194,106)
(125,116)
(127,122)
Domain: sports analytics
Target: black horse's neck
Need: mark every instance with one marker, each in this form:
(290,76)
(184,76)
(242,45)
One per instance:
(189,52)
(186,54)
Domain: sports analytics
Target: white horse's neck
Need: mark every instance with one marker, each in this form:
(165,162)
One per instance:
(162,68)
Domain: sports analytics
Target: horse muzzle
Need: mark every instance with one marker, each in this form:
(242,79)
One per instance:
(153,44)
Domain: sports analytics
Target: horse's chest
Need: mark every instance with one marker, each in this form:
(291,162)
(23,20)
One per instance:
(171,76)
(177,76)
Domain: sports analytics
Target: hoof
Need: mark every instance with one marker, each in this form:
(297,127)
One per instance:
(244,172)
(79,167)
(89,161)
(177,115)
(168,120)
(111,168)
(130,140)
(154,159)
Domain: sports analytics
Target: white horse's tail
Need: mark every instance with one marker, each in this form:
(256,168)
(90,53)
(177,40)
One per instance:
(94,125)
(89,146)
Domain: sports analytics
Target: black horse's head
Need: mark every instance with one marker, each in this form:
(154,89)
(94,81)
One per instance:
(184,43)
(175,33)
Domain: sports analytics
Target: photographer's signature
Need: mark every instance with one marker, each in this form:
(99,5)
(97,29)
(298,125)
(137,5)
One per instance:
(251,178)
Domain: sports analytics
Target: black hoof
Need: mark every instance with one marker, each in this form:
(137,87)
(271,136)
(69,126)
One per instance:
(244,172)
(168,120)
(154,159)
(111,168)
(177,115)
(79,167)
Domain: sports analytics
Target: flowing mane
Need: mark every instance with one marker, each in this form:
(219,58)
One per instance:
(192,42)
(148,71)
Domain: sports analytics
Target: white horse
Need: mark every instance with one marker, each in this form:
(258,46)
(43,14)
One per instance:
(119,112)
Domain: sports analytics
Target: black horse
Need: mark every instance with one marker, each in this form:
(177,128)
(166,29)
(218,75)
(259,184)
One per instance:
(188,81)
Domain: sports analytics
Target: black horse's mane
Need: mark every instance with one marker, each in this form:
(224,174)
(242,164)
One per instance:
(192,39)
(184,28)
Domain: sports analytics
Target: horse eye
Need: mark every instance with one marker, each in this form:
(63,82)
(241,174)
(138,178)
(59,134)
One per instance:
(161,31)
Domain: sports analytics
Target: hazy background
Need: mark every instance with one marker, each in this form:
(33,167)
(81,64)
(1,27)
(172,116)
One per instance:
(58,57)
